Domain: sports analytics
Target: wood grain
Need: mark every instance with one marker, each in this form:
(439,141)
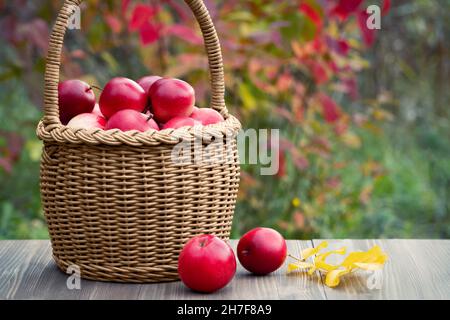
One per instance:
(417,269)
(299,286)
(246,286)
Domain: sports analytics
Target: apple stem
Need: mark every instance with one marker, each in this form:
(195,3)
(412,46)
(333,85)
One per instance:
(295,258)
(150,117)
(95,87)
(148,107)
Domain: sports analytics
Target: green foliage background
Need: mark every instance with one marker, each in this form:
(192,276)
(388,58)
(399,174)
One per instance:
(389,178)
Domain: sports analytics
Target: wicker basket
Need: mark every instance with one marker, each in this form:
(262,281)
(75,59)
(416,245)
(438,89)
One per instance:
(116,204)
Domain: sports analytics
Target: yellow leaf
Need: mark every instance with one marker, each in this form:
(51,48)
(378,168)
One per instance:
(111,61)
(299,265)
(312,270)
(333,277)
(354,43)
(306,253)
(373,259)
(320,263)
(34,148)
(374,255)
(296,202)
(380,114)
(333,29)
(351,139)
(248,100)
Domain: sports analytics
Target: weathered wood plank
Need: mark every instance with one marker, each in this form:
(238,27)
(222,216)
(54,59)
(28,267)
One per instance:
(246,286)
(417,269)
(38,276)
(237,289)
(15,256)
(28,272)
(298,286)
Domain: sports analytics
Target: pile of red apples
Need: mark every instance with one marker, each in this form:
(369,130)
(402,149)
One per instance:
(151,103)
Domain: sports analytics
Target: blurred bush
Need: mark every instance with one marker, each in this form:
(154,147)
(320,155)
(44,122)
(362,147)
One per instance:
(363,115)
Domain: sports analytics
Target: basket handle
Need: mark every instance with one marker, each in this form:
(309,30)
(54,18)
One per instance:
(212,45)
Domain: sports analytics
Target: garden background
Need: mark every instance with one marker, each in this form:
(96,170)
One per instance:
(364,115)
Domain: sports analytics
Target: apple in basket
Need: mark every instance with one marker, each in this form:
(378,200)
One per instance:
(179,122)
(262,250)
(97,110)
(122,93)
(206,116)
(147,82)
(75,97)
(206,263)
(128,120)
(88,121)
(171,98)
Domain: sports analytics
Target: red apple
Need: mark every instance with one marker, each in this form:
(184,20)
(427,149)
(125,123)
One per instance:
(147,82)
(262,250)
(120,94)
(179,122)
(87,121)
(206,116)
(75,97)
(151,122)
(206,263)
(171,98)
(127,120)
(97,110)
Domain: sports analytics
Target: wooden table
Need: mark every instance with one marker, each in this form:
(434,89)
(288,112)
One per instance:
(417,269)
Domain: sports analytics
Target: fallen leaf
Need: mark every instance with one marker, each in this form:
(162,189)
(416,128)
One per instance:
(373,259)
(306,253)
(333,278)
(320,262)
(299,265)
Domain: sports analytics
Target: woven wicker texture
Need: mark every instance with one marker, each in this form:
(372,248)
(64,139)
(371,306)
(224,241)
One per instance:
(116,204)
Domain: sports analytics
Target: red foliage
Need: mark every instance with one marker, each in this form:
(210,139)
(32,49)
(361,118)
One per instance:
(351,87)
(185,33)
(299,160)
(149,33)
(140,21)
(113,22)
(331,111)
(386,7)
(281,165)
(368,35)
(319,72)
(141,15)
(344,8)
(342,46)
(125,5)
(312,14)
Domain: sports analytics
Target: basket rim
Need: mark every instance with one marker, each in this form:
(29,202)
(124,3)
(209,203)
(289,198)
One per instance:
(115,137)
